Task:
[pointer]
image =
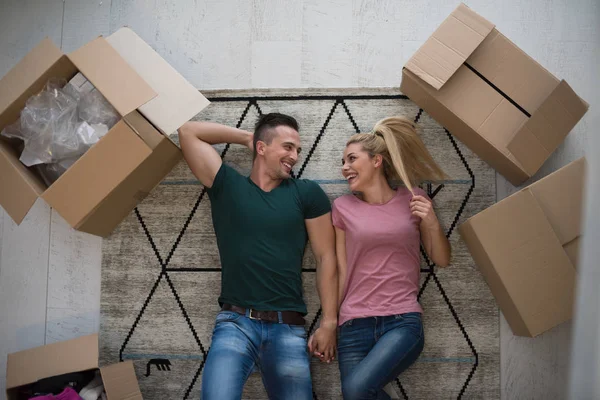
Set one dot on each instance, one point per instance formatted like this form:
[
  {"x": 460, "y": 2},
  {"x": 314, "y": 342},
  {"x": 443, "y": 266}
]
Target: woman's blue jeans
[{"x": 373, "y": 351}]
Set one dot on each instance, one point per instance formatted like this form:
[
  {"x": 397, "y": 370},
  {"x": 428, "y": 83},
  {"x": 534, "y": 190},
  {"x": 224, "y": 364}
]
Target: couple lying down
[{"x": 366, "y": 246}]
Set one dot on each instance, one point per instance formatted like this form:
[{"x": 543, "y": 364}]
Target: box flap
[
  {"x": 132, "y": 190},
  {"x": 560, "y": 195},
  {"x": 547, "y": 127},
  {"x": 572, "y": 251},
  {"x": 509, "y": 69},
  {"x": 529, "y": 260},
  {"x": 31, "y": 365},
  {"x": 492, "y": 278},
  {"x": 19, "y": 189},
  {"x": 145, "y": 130},
  {"x": 111, "y": 74},
  {"x": 449, "y": 46},
  {"x": 120, "y": 381},
  {"x": 26, "y": 72},
  {"x": 97, "y": 173},
  {"x": 177, "y": 101},
  {"x": 434, "y": 103}
]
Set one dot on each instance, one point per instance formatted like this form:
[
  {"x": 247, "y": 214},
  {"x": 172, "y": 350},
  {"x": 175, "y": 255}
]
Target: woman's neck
[{"x": 379, "y": 192}]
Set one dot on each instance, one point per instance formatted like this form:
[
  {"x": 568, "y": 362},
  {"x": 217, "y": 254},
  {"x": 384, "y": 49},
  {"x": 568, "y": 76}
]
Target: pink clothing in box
[{"x": 67, "y": 394}]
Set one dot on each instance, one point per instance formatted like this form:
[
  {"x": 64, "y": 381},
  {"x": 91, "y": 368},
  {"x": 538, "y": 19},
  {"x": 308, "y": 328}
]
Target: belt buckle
[{"x": 250, "y": 315}]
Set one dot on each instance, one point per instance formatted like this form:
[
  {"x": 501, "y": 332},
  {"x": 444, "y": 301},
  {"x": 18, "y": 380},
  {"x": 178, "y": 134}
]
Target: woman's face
[{"x": 358, "y": 167}]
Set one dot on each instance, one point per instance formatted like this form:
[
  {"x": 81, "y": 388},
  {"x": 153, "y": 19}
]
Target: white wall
[{"x": 50, "y": 274}]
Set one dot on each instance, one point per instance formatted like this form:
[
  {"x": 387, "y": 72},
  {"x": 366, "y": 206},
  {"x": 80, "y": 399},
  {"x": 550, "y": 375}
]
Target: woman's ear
[{"x": 378, "y": 160}]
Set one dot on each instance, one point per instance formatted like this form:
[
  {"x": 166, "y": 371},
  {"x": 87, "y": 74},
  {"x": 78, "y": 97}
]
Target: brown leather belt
[{"x": 287, "y": 317}]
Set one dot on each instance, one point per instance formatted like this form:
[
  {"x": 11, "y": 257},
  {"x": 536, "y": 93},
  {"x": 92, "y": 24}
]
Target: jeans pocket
[
  {"x": 411, "y": 316},
  {"x": 227, "y": 316},
  {"x": 297, "y": 330},
  {"x": 347, "y": 324},
  {"x": 412, "y": 321}
]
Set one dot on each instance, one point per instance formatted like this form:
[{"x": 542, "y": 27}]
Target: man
[{"x": 262, "y": 223}]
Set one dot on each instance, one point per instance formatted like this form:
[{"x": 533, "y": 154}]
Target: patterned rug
[{"x": 160, "y": 268}]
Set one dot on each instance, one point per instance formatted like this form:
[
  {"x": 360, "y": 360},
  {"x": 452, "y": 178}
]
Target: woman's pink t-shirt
[{"x": 382, "y": 255}]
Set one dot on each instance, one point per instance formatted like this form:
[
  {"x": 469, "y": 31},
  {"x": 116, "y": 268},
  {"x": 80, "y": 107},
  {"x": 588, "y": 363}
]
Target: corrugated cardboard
[
  {"x": 116, "y": 80},
  {"x": 81, "y": 354},
  {"x": 526, "y": 249},
  {"x": 449, "y": 46},
  {"x": 153, "y": 68},
  {"x": 491, "y": 95},
  {"x": 111, "y": 178}
]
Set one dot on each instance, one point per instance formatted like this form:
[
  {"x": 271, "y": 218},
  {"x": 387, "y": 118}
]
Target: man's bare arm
[
  {"x": 322, "y": 241},
  {"x": 196, "y": 139}
]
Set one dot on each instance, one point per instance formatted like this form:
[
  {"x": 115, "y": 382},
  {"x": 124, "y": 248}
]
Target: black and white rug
[{"x": 160, "y": 268}]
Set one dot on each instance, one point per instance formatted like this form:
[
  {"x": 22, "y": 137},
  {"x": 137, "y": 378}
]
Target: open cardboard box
[
  {"x": 115, "y": 174},
  {"x": 77, "y": 355},
  {"x": 526, "y": 248},
  {"x": 492, "y": 96}
]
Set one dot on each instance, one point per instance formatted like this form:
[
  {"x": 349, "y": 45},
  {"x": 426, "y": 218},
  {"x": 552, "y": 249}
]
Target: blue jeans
[
  {"x": 373, "y": 351},
  {"x": 240, "y": 344}
]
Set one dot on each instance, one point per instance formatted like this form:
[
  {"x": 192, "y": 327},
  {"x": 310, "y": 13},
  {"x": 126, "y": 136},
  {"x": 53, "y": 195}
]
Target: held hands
[
  {"x": 322, "y": 343},
  {"x": 421, "y": 207}
]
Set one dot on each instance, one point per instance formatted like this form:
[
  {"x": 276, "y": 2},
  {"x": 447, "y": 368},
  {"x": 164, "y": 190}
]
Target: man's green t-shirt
[{"x": 261, "y": 238}]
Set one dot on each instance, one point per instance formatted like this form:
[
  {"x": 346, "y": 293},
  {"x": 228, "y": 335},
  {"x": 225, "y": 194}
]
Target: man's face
[{"x": 281, "y": 154}]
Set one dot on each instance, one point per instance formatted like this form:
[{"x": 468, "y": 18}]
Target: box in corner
[
  {"x": 526, "y": 248},
  {"x": 26, "y": 367},
  {"x": 97, "y": 192},
  {"x": 492, "y": 96}
]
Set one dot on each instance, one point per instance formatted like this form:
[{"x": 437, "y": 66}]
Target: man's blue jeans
[
  {"x": 239, "y": 344},
  {"x": 373, "y": 351}
]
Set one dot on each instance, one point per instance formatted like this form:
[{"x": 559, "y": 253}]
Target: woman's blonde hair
[{"x": 404, "y": 154}]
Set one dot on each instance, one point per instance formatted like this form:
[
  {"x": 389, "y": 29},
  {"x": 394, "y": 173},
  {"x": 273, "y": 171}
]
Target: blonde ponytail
[{"x": 404, "y": 154}]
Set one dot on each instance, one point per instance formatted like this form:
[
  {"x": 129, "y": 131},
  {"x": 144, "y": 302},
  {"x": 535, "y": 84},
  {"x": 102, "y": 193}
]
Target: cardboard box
[
  {"x": 115, "y": 174},
  {"x": 526, "y": 248},
  {"x": 77, "y": 355},
  {"x": 492, "y": 96}
]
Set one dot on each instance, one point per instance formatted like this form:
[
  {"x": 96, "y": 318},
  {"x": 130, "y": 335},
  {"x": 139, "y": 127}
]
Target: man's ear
[{"x": 260, "y": 147}]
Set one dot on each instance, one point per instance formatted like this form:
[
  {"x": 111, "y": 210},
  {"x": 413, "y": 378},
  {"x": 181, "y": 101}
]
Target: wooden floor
[{"x": 50, "y": 274}]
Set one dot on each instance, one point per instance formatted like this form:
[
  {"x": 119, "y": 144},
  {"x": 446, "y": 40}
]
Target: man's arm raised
[{"x": 196, "y": 139}]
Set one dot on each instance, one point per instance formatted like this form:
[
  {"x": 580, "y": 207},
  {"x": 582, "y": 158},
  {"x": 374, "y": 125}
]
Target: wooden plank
[
  {"x": 83, "y": 22},
  {"x": 585, "y": 356},
  {"x": 208, "y": 42},
  {"x": 343, "y": 44},
  {"x": 25, "y": 23},
  {"x": 282, "y": 71},
  {"x": 327, "y": 46},
  {"x": 73, "y": 307},
  {"x": 551, "y": 33},
  {"x": 276, "y": 21},
  {"x": 386, "y": 33},
  {"x": 23, "y": 283},
  {"x": 533, "y": 368},
  {"x": 73, "y": 282},
  {"x": 2, "y": 316},
  {"x": 24, "y": 248}
]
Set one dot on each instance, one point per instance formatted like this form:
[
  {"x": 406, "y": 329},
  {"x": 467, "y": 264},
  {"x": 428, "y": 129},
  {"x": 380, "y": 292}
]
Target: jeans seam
[
  {"x": 421, "y": 330},
  {"x": 411, "y": 349},
  {"x": 291, "y": 329},
  {"x": 399, "y": 361},
  {"x": 235, "y": 317}
]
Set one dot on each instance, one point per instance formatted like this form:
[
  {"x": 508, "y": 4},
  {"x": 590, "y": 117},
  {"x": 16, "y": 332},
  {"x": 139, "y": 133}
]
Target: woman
[{"x": 378, "y": 234}]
